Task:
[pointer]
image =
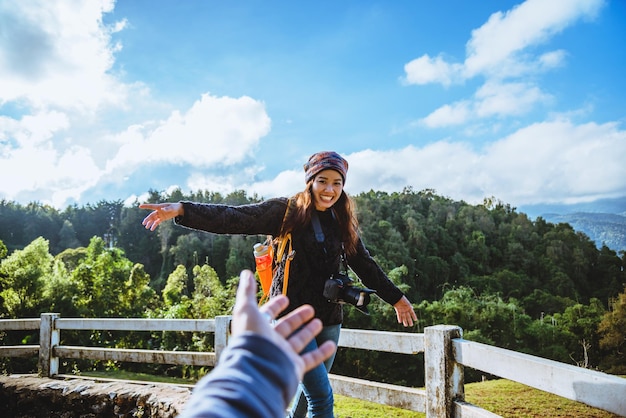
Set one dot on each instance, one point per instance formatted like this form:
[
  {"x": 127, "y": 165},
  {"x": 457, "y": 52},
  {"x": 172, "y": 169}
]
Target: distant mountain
[
  {"x": 603, "y": 221},
  {"x": 603, "y": 228},
  {"x": 615, "y": 206}
]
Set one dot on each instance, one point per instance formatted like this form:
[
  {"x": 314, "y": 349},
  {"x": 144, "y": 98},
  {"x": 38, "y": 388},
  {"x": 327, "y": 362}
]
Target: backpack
[{"x": 279, "y": 251}]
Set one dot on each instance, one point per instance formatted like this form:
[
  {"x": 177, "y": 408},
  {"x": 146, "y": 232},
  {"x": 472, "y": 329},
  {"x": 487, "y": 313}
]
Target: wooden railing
[{"x": 446, "y": 354}]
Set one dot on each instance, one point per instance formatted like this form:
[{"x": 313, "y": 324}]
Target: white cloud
[
  {"x": 449, "y": 114},
  {"x": 498, "y": 43},
  {"x": 29, "y": 158},
  {"x": 503, "y": 48},
  {"x": 58, "y": 53},
  {"x": 504, "y": 99},
  {"x": 491, "y": 99},
  {"x": 42, "y": 169},
  {"x": 286, "y": 183},
  {"x": 559, "y": 161},
  {"x": 551, "y": 59},
  {"x": 55, "y": 55},
  {"x": 215, "y": 131},
  {"x": 554, "y": 161},
  {"x": 425, "y": 70},
  {"x": 38, "y": 128}
]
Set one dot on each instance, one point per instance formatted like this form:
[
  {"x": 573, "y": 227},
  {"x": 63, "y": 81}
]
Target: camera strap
[
  {"x": 317, "y": 227},
  {"x": 319, "y": 237}
]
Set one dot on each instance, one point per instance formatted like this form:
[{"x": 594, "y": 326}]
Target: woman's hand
[
  {"x": 160, "y": 212},
  {"x": 405, "y": 313}
]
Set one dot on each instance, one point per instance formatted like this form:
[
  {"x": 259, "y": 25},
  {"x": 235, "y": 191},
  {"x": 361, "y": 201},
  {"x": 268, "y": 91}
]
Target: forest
[{"x": 530, "y": 286}]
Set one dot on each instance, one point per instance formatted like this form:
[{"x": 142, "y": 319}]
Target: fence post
[
  {"x": 222, "y": 331},
  {"x": 444, "y": 377},
  {"x": 49, "y": 338}
]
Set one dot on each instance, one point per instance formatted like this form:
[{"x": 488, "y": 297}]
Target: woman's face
[{"x": 326, "y": 189}]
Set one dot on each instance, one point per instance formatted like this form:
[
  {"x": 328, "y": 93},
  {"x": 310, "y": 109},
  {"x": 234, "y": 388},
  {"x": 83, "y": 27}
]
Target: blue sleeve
[{"x": 253, "y": 378}]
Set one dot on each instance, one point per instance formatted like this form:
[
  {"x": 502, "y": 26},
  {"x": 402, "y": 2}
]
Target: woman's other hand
[
  {"x": 405, "y": 312},
  {"x": 160, "y": 212}
]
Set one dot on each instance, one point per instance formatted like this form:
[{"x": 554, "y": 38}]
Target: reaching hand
[
  {"x": 248, "y": 317},
  {"x": 160, "y": 212},
  {"x": 405, "y": 312}
]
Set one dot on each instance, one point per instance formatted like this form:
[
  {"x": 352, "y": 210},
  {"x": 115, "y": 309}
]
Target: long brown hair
[{"x": 301, "y": 206}]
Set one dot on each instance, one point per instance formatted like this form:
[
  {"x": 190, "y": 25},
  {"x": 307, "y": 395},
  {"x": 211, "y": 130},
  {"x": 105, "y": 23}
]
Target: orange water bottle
[{"x": 263, "y": 259}]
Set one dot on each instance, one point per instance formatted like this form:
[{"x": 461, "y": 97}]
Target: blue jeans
[{"x": 314, "y": 392}]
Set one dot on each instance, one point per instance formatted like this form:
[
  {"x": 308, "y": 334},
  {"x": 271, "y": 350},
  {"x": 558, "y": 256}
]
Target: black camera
[{"x": 339, "y": 289}]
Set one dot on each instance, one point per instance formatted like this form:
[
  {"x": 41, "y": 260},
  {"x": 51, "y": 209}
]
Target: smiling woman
[{"x": 325, "y": 238}]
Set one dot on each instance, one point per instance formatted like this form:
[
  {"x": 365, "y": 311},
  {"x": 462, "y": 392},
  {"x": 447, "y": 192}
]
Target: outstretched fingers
[
  {"x": 303, "y": 335},
  {"x": 160, "y": 212},
  {"x": 313, "y": 358},
  {"x": 153, "y": 219},
  {"x": 274, "y": 307},
  {"x": 294, "y": 320},
  {"x": 299, "y": 339},
  {"x": 298, "y": 336}
]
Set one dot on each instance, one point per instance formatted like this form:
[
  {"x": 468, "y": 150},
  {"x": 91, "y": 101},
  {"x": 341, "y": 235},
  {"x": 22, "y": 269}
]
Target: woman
[{"x": 324, "y": 230}]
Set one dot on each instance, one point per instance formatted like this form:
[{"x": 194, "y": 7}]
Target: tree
[
  {"x": 579, "y": 324},
  {"x": 110, "y": 285},
  {"x": 140, "y": 245},
  {"x": 176, "y": 287},
  {"x": 612, "y": 331},
  {"x": 209, "y": 296},
  {"x": 67, "y": 236},
  {"x": 240, "y": 256},
  {"x": 136, "y": 295},
  {"x": 609, "y": 276},
  {"x": 544, "y": 338},
  {"x": 3, "y": 250},
  {"x": 23, "y": 274},
  {"x": 392, "y": 244}
]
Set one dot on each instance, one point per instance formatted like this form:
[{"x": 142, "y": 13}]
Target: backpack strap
[
  {"x": 285, "y": 245},
  {"x": 284, "y": 251},
  {"x": 290, "y": 203}
]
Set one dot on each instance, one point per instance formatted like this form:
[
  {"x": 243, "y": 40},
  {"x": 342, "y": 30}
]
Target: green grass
[
  {"x": 502, "y": 397},
  {"x": 354, "y": 408},
  {"x": 511, "y": 399}
]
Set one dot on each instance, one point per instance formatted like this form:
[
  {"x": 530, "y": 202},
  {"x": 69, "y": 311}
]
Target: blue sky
[{"x": 523, "y": 101}]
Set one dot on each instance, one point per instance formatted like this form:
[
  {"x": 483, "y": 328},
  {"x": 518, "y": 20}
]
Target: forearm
[
  {"x": 249, "y": 379},
  {"x": 259, "y": 218},
  {"x": 372, "y": 275}
]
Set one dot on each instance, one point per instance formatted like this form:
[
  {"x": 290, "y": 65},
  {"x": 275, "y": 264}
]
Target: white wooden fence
[{"x": 446, "y": 354}]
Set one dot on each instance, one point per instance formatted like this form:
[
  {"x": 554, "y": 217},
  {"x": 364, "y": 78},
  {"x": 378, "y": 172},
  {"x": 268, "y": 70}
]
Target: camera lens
[
  {"x": 339, "y": 289},
  {"x": 358, "y": 297}
]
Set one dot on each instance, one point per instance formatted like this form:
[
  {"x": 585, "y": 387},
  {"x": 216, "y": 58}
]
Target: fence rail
[{"x": 446, "y": 354}]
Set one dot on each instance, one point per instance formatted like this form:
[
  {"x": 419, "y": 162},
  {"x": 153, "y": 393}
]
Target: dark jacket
[{"x": 313, "y": 262}]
